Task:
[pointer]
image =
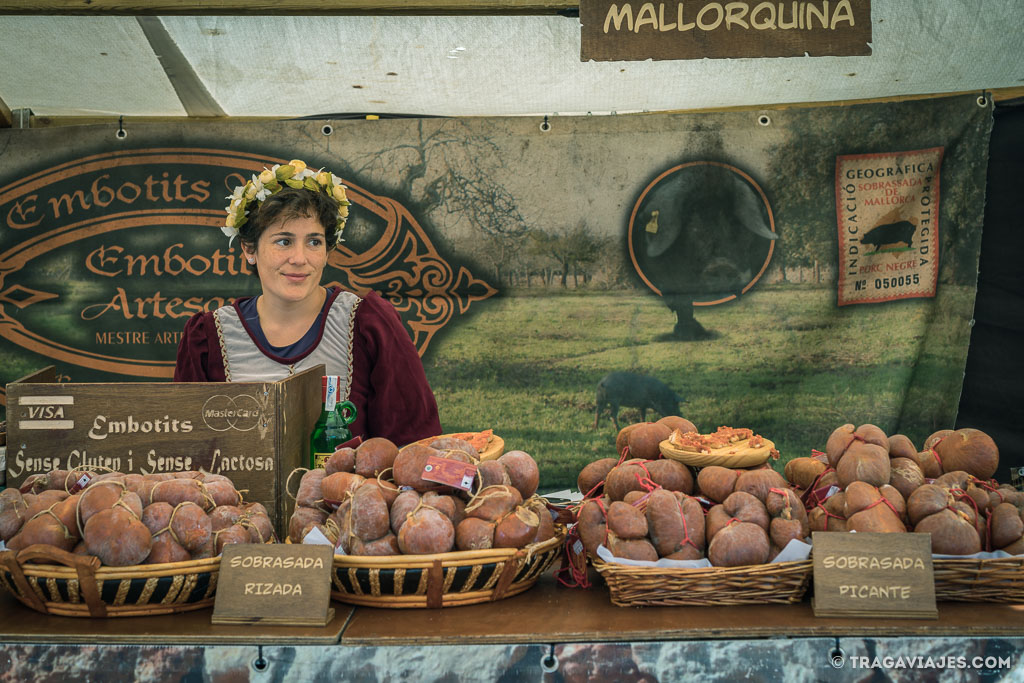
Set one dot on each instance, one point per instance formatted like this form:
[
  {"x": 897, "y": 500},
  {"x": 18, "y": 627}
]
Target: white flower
[
  {"x": 231, "y": 231},
  {"x": 254, "y": 187}
]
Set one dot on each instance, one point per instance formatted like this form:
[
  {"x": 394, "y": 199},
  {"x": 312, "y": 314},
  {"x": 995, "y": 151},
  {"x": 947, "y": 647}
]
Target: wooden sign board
[
  {"x": 873, "y": 575},
  {"x": 254, "y": 433},
  {"x": 276, "y": 583},
  {"x": 698, "y": 29}
]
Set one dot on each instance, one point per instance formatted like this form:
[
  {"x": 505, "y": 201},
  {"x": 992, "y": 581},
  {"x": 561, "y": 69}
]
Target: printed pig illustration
[
  {"x": 634, "y": 391},
  {"x": 889, "y": 233}
]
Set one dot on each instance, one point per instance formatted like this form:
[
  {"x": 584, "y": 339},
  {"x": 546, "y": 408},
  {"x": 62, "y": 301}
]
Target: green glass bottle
[{"x": 331, "y": 429}]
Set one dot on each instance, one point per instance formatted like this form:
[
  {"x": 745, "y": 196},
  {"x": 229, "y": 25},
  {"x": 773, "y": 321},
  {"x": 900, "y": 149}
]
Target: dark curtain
[{"x": 993, "y": 393}]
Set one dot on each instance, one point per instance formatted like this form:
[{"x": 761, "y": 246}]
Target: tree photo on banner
[{"x": 714, "y": 257}]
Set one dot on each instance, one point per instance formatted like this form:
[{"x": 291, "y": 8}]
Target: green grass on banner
[{"x": 785, "y": 362}]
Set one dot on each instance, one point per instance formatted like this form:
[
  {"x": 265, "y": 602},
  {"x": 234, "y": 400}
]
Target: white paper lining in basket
[
  {"x": 795, "y": 551},
  {"x": 994, "y": 555},
  {"x": 316, "y": 537}
]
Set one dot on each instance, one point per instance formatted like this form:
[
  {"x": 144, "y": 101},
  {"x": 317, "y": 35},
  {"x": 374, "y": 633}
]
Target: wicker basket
[
  {"x": 744, "y": 456},
  {"x": 979, "y": 580},
  {"x": 77, "y": 586},
  {"x": 782, "y": 582},
  {"x": 443, "y": 580}
]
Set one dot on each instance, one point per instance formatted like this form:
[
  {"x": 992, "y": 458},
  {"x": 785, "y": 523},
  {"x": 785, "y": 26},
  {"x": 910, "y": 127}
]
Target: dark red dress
[{"x": 388, "y": 386}]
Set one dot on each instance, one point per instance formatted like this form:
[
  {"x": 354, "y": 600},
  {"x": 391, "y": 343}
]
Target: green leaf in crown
[{"x": 294, "y": 174}]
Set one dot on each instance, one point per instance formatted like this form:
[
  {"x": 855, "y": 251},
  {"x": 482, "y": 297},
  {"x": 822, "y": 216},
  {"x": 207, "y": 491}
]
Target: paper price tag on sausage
[
  {"x": 452, "y": 473},
  {"x": 82, "y": 482}
]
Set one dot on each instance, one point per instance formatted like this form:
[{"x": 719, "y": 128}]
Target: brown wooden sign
[
  {"x": 876, "y": 575},
  {"x": 698, "y": 29},
  {"x": 254, "y": 433},
  {"x": 287, "y": 584}
]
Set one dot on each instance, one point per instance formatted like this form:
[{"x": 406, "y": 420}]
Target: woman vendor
[{"x": 288, "y": 219}]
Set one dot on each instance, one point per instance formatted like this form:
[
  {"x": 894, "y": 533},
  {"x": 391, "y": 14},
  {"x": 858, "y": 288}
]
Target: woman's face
[{"x": 290, "y": 257}]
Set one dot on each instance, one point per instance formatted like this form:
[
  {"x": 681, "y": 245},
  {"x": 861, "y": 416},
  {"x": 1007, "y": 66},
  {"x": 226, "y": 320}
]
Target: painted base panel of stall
[{"x": 772, "y": 659}]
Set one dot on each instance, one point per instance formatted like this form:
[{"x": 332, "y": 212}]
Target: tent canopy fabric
[{"x": 470, "y": 65}]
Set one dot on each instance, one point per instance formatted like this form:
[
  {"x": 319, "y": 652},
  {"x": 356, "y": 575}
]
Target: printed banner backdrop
[{"x": 784, "y": 270}]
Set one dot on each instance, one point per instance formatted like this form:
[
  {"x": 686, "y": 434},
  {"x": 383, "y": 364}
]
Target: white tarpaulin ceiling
[{"x": 291, "y": 66}]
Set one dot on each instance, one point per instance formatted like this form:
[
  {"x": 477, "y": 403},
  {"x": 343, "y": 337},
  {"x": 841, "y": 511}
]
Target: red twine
[
  {"x": 960, "y": 494},
  {"x": 647, "y": 482},
  {"x": 988, "y": 530},
  {"x": 883, "y": 499},
  {"x": 641, "y": 502},
  {"x": 809, "y": 499},
  {"x": 828, "y": 514},
  {"x": 686, "y": 530},
  {"x": 593, "y": 491},
  {"x": 931, "y": 449},
  {"x": 577, "y": 574},
  {"x": 600, "y": 505}
]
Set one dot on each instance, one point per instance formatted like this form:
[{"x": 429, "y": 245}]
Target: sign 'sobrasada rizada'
[{"x": 697, "y": 29}]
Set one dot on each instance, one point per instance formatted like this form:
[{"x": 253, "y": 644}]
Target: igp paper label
[{"x": 887, "y": 207}]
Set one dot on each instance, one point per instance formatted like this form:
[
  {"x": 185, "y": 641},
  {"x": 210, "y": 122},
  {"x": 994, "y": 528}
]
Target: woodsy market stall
[{"x": 700, "y": 288}]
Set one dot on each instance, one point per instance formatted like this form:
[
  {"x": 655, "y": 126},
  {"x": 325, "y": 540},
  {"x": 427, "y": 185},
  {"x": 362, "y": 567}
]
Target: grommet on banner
[
  {"x": 121, "y": 132},
  {"x": 549, "y": 662},
  {"x": 545, "y": 126},
  {"x": 260, "y": 664},
  {"x": 983, "y": 99},
  {"x": 837, "y": 656},
  {"x": 764, "y": 120},
  {"x": 327, "y": 129}
]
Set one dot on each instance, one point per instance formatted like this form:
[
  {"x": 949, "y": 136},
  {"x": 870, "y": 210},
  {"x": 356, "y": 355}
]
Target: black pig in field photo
[
  {"x": 889, "y": 233},
  {"x": 632, "y": 390}
]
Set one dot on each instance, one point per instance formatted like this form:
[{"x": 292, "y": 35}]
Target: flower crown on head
[{"x": 270, "y": 181}]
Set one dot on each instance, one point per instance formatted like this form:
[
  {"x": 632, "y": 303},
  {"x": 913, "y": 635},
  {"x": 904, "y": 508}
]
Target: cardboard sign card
[
  {"x": 452, "y": 473},
  {"x": 872, "y": 574},
  {"x": 287, "y": 584}
]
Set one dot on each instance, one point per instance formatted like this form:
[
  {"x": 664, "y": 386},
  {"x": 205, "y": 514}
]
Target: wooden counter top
[
  {"x": 550, "y": 613},
  {"x": 19, "y": 624},
  {"x": 547, "y": 613}
]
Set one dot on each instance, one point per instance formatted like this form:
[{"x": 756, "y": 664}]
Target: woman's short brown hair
[{"x": 291, "y": 203}]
